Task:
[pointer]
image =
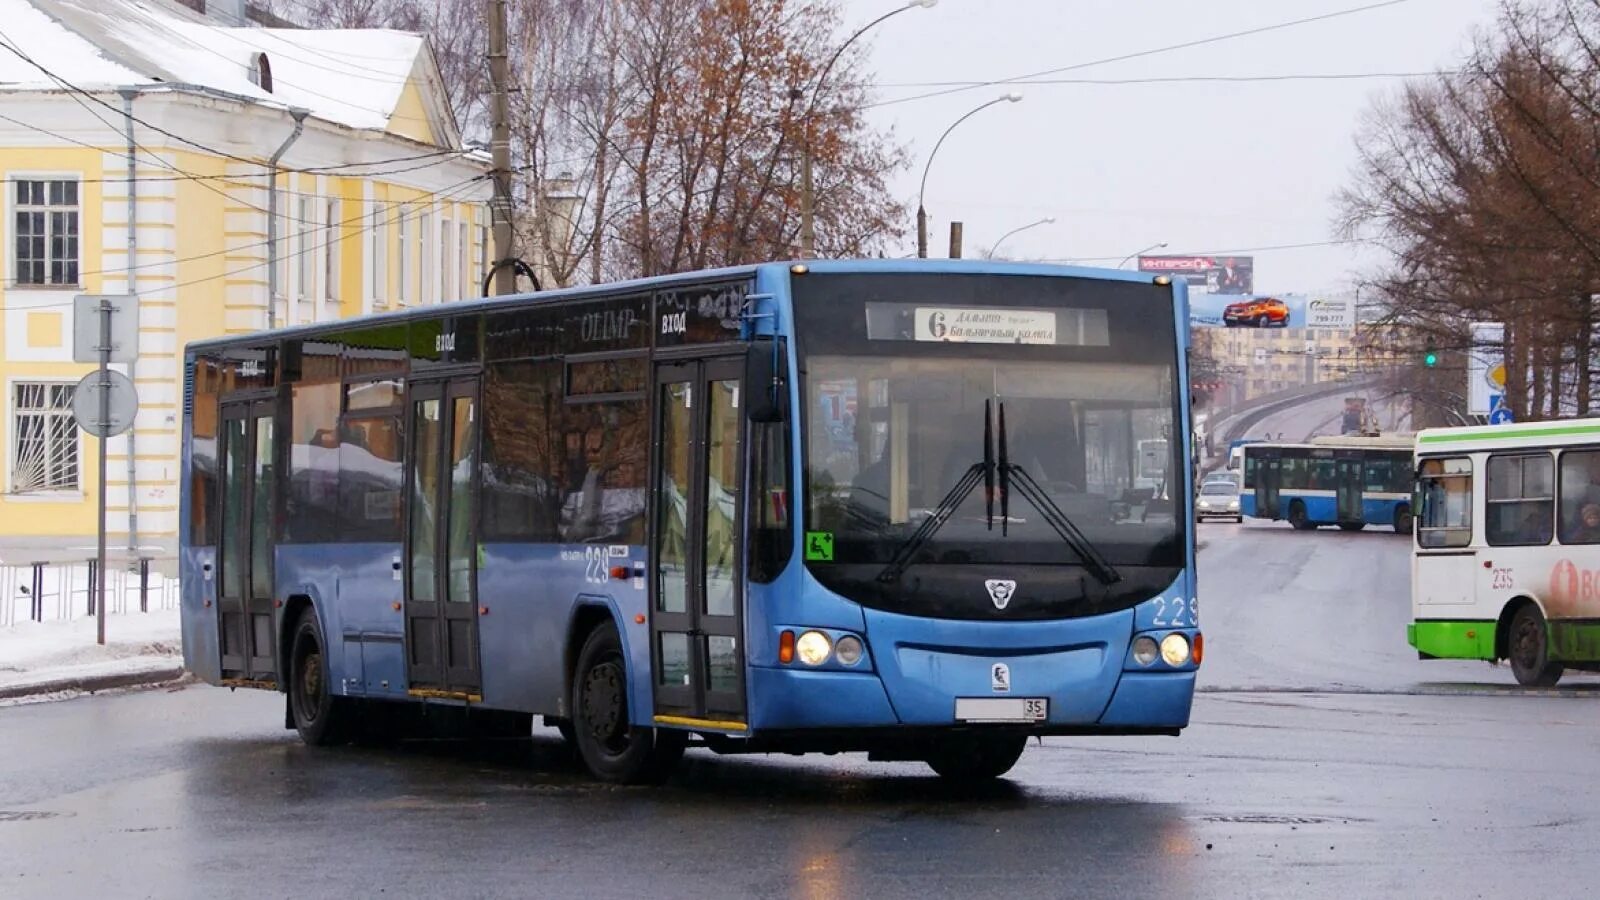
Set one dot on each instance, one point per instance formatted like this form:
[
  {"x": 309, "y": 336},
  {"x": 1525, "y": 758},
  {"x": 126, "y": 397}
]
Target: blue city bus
[
  {"x": 821, "y": 507},
  {"x": 1350, "y": 481}
]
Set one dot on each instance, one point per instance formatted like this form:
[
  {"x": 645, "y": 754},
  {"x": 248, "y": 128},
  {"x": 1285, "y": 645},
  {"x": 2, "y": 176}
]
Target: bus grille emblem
[{"x": 1000, "y": 591}]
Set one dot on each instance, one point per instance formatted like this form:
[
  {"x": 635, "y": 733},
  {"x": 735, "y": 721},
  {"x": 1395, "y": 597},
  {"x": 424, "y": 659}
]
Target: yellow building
[
  {"x": 137, "y": 140},
  {"x": 1261, "y": 361}
]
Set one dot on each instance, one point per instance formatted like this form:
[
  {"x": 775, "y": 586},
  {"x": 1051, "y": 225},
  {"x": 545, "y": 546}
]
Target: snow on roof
[{"x": 352, "y": 76}]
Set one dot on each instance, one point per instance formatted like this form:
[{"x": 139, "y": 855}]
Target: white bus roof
[{"x": 1560, "y": 433}]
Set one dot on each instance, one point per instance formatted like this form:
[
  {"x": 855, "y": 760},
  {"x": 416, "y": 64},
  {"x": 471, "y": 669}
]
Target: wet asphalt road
[{"x": 1321, "y": 762}]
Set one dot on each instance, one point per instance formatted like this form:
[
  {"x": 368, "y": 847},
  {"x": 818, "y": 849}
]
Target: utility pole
[
  {"x": 103, "y": 412},
  {"x": 955, "y": 240},
  {"x": 505, "y": 275}
]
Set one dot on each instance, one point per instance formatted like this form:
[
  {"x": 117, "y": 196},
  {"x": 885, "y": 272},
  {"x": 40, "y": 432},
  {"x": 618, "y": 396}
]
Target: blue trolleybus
[
  {"x": 1351, "y": 482},
  {"x": 832, "y": 507}
]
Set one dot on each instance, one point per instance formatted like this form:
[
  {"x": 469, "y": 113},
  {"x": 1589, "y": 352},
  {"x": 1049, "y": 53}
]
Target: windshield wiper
[
  {"x": 979, "y": 471},
  {"x": 1030, "y": 490}
]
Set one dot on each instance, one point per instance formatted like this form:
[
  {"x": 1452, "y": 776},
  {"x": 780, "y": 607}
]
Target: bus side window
[{"x": 1579, "y": 490}]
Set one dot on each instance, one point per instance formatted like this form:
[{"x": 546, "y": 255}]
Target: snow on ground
[{"x": 54, "y": 651}]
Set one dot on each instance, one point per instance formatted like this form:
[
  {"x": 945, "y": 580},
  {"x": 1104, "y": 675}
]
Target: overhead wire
[{"x": 1138, "y": 54}]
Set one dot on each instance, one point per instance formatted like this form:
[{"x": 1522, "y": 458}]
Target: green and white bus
[{"x": 1507, "y": 558}]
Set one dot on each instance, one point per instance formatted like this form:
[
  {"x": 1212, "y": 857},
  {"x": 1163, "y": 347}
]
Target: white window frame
[
  {"x": 12, "y": 207},
  {"x": 378, "y": 256},
  {"x": 469, "y": 287},
  {"x": 429, "y": 262},
  {"x": 12, "y": 428},
  {"x": 447, "y": 260}
]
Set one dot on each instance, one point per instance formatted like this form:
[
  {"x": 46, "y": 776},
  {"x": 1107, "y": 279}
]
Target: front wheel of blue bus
[
  {"x": 611, "y": 748},
  {"x": 320, "y": 717},
  {"x": 976, "y": 757}
]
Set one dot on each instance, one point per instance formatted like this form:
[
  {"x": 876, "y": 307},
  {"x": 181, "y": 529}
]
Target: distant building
[
  {"x": 1261, "y": 361},
  {"x": 379, "y": 206}
]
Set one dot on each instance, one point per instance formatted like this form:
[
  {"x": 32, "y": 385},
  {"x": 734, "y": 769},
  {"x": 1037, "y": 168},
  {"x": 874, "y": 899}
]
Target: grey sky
[{"x": 1203, "y": 165}]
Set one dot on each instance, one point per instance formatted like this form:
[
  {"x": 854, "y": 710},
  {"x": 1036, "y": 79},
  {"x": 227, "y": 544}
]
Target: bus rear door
[
  {"x": 696, "y": 586},
  {"x": 249, "y": 497},
  {"x": 1269, "y": 479}
]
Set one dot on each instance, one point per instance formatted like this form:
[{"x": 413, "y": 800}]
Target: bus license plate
[{"x": 1002, "y": 709}]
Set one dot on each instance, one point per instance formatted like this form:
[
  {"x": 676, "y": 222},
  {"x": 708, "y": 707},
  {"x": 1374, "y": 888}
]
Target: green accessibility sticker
[{"x": 819, "y": 546}]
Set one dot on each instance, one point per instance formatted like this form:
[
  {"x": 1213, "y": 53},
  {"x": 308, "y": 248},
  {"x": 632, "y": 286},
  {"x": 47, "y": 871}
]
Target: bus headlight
[
  {"x": 813, "y": 648},
  {"x": 1144, "y": 650},
  {"x": 848, "y": 651},
  {"x": 1174, "y": 649}
]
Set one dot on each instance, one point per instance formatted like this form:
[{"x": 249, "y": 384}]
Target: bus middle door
[
  {"x": 696, "y": 586},
  {"x": 1348, "y": 485},
  {"x": 1269, "y": 480},
  {"x": 441, "y": 583},
  {"x": 249, "y": 501}
]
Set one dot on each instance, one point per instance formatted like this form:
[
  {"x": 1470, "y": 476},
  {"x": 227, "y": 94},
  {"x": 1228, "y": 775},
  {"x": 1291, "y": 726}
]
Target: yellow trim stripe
[
  {"x": 432, "y": 694},
  {"x": 260, "y": 684},
  {"x": 701, "y": 723}
]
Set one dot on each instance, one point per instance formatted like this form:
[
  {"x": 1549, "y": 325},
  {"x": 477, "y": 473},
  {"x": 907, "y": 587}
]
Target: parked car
[
  {"x": 1258, "y": 312},
  {"x": 1218, "y": 500}
]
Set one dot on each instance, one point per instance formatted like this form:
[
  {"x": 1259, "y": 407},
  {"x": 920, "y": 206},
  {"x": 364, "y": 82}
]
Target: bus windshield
[{"x": 895, "y": 416}]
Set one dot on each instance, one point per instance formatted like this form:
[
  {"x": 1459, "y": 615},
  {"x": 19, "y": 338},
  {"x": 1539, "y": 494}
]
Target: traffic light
[{"x": 1430, "y": 357}]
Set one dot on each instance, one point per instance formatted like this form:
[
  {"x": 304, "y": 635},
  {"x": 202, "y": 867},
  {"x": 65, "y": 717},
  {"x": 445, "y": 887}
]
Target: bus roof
[
  {"x": 1498, "y": 437},
  {"x": 1346, "y": 442},
  {"x": 830, "y": 266}
]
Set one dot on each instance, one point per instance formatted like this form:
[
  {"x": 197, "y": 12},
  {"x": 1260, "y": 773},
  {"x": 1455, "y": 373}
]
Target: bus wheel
[
  {"x": 612, "y": 749},
  {"x": 1402, "y": 520},
  {"x": 1528, "y": 646},
  {"x": 976, "y": 757},
  {"x": 1297, "y": 517},
  {"x": 1352, "y": 526},
  {"x": 318, "y": 715}
]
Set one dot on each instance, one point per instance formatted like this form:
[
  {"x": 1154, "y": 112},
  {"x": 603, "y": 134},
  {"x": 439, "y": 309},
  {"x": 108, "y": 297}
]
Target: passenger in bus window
[{"x": 1588, "y": 531}]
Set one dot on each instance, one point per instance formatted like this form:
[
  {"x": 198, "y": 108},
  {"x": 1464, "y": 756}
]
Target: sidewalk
[{"x": 56, "y": 659}]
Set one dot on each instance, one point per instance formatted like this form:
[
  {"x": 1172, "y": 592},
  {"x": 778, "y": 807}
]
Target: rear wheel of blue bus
[
  {"x": 976, "y": 757},
  {"x": 611, "y": 748},
  {"x": 318, "y": 716}
]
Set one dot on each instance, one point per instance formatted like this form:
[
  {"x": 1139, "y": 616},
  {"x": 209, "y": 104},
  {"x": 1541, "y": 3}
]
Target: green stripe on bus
[
  {"x": 1575, "y": 641},
  {"x": 1453, "y": 640},
  {"x": 1499, "y": 434}
]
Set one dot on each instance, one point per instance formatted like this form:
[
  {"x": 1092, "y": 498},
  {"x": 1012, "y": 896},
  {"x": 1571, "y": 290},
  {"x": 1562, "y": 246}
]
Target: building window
[
  {"x": 463, "y": 247},
  {"x": 47, "y": 232},
  {"x": 378, "y": 258},
  {"x": 332, "y": 247},
  {"x": 430, "y": 285},
  {"x": 407, "y": 279},
  {"x": 483, "y": 251},
  {"x": 452, "y": 275},
  {"x": 304, "y": 251},
  {"x": 44, "y": 449}
]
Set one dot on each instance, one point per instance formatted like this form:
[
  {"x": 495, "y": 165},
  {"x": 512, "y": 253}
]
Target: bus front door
[
  {"x": 441, "y": 584},
  {"x": 249, "y": 495},
  {"x": 696, "y": 587},
  {"x": 1348, "y": 481},
  {"x": 1269, "y": 479}
]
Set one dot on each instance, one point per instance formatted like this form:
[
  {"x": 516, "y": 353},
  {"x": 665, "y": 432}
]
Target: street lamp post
[
  {"x": 808, "y": 197},
  {"x": 1160, "y": 246},
  {"x": 1047, "y": 220},
  {"x": 922, "y": 213}
]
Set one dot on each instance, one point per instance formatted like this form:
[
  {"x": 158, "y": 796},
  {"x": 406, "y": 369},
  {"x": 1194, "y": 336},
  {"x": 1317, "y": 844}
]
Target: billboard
[
  {"x": 1206, "y": 274},
  {"x": 1252, "y": 311}
]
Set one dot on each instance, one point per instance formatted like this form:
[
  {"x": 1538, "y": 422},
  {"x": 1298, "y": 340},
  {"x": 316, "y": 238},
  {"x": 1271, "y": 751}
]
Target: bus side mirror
[{"x": 765, "y": 386}]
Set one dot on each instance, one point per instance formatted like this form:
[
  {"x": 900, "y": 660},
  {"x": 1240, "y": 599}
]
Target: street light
[
  {"x": 922, "y": 214},
  {"x": 1160, "y": 246},
  {"x": 1047, "y": 220},
  {"x": 808, "y": 227}
]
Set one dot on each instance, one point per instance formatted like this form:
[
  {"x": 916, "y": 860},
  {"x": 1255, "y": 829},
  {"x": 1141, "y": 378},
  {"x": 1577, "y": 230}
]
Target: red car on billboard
[{"x": 1259, "y": 312}]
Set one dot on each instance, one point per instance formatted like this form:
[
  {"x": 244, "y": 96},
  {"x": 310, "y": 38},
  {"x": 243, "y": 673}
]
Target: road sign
[
  {"x": 123, "y": 403},
  {"x": 1499, "y": 412},
  {"x": 86, "y": 327},
  {"x": 1486, "y": 367}
]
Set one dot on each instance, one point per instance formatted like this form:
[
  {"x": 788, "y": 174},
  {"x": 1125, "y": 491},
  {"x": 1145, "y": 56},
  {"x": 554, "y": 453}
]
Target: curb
[{"x": 90, "y": 684}]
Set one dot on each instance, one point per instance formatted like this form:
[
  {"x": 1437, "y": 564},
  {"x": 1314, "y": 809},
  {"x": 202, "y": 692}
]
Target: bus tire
[
  {"x": 976, "y": 757},
  {"x": 1403, "y": 522},
  {"x": 319, "y": 717},
  {"x": 1528, "y": 647},
  {"x": 612, "y": 749},
  {"x": 1297, "y": 517}
]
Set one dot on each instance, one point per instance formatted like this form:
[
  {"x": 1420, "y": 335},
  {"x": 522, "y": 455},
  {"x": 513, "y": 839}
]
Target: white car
[{"x": 1218, "y": 500}]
